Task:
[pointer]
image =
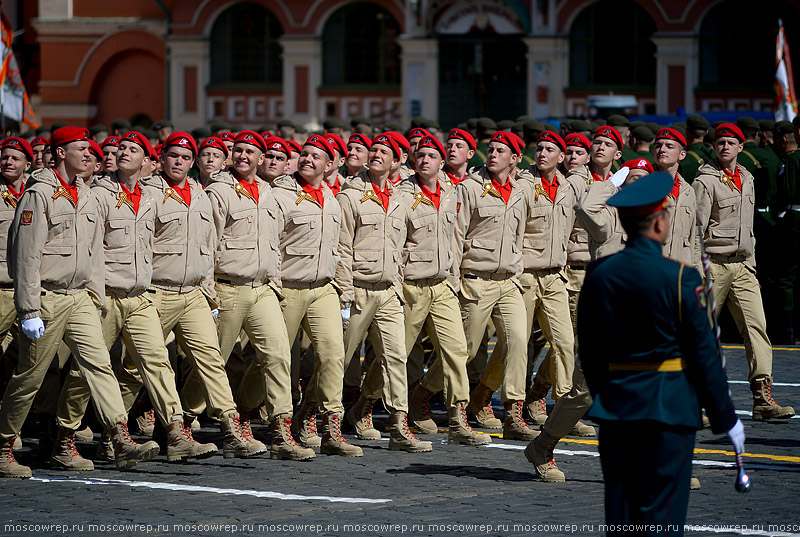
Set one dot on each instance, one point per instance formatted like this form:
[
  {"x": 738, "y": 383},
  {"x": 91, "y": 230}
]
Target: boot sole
[
  {"x": 182, "y": 457},
  {"x": 27, "y": 475},
  {"x": 758, "y": 416},
  {"x": 144, "y": 456},
  {"x": 234, "y": 455},
  {"x": 424, "y": 429},
  {"x": 60, "y": 466},
  {"x": 587, "y": 433},
  {"x": 460, "y": 441},
  {"x": 282, "y": 457},
  {"x": 362, "y": 436},
  {"x": 517, "y": 436},
  {"x": 409, "y": 449},
  {"x": 341, "y": 454}
]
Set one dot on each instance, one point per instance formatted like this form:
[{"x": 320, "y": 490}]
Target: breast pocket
[
  {"x": 61, "y": 230},
  {"x": 170, "y": 228},
  {"x": 240, "y": 223},
  {"x": 118, "y": 233}
]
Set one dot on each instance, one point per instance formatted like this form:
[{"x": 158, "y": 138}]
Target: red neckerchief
[
  {"x": 135, "y": 196},
  {"x": 550, "y": 188},
  {"x": 383, "y": 195},
  {"x": 14, "y": 193},
  {"x": 504, "y": 190},
  {"x": 676, "y": 188},
  {"x": 433, "y": 196},
  {"x": 316, "y": 193},
  {"x": 453, "y": 179},
  {"x": 737, "y": 179},
  {"x": 336, "y": 187},
  {"x": 72, "y": 190},
  {"x": 396, "y": 180},
  {"x": 596, "y": 177},
  {"x": 251, "y": 187},
  {"x": 185, "y": 193}
]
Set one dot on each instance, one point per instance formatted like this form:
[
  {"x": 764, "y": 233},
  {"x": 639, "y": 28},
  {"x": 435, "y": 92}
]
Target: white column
[
  {"x": 675, "y": 50},
  {"x": 301, "y": 52},
  {"x": 420, "y": 80},
  {"x": 548, "y": 71},
  {"x": 182, "y": 53}
]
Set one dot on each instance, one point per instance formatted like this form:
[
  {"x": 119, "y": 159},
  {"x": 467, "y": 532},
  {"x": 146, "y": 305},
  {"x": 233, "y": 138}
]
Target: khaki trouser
[
  {"x": 570, "y": 407},
  {"x": 317, "y": 310},
  {"x": 380, "y": 314},
  {"x": 135, "y": 319},
  {"x": 502, "y": 302},
  {"x": 74, "y": 319},
  {"x": 436, "y": 309},
  {"x": 546, "y": 298},
  {"x": 736, "y": 286}
]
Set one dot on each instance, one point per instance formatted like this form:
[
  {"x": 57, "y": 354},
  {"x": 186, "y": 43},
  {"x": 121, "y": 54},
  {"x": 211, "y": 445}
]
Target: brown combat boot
[
  {"x": 247, "y": 432},
  {"x": 402, "y": 439},
  {"x": 419, "y": 410},
  {"x": 65, "y": 456},
  {"x": 9, "y": 467},
  {"x": 514, "y": 427},
  {"x": 304, "y": 425},
  {"x": 360, "y": 418},
  {"x": 234, "y": 442},
  {"x": 105, "y": 448},
  {"x": 145, "y": 423},
  {"x": 480, "y": 406},
  {"x": 333, "y": 443},
  {"x": 284, "y": 446},
  {"x": 182, "y": 446},
  {"x": 540, "y": 454},
  {"x": 535, "y": 402},
  {"x": 460, "y": 431},
  {"x": 84, "y": 435},
  {"x": 128, "y": 453},
  {"x": 582, "y": 429},
  {"x": 764, "y": 405}
]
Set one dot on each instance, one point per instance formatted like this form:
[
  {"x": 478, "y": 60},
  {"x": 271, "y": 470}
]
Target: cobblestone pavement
[{"x": 453, "y": 490}]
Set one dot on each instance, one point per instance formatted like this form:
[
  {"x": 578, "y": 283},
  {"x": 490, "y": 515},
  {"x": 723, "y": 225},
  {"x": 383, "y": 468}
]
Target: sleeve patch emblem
[
  {"x": 27, "y": 218},
  {"x": 702, "y": 297}
]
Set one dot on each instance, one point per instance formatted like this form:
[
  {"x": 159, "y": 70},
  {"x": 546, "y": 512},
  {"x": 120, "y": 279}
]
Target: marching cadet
[
  {"x": 430, "y": 300},
  {"x": 696, "y": 152},
  {"x": 725, "y": 203},
  {"x": 334, "y": 179},
  {"x": 641, "y": 140},
  {"x": 460, "y": 149},
  {"x": 183, "y": 292},
  {"x": 485, "y": 128},
  {"x": 370, "y": 244},
  {"x": 109, "y": 147},
  {"x": 357, "y": 154},
  {"x": 414, "y": 136},
  {"x": 227, "y": 138},
  {"x": 294, "y": 158},
  {"x": 53, "y": 242},
  {"x": 275, "y": 159},
  {"x": 399, "y": 169},
  {"x": 309, "y": 219},
  {"x": 164, "y": 129},
  {"x": 578, "y": 147},
  {"x": 623, "y": 126},
  {"x": 248, "y": 296},
  {"x": 126, "y": 214},
  {"x": 212, "y": 156},
  {"x": 41, "y": 150}
]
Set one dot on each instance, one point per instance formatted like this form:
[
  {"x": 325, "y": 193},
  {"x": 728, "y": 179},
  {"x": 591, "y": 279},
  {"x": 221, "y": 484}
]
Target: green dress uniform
[
  {"x": 479, "y": 158},
  {"x": 787, "y": 213},
  {"x": 696, "y": 156},
  {"x": 651, "y": 362}
]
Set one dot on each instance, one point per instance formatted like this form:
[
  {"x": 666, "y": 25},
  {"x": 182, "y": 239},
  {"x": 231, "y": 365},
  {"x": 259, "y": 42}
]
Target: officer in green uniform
[
  {"x": 641, "y": 139},
  {"x": 654, "y": 371},
  {"x": 486, "y": 127},
  {"x": 696, "y": 152},
  {"x": 787, "y": 211},
  {"x": 531, "y": 129}
]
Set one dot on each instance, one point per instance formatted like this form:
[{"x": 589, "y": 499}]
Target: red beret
[
  {"x": 337, "y": 143},
  {"x": 40, "y": 140},
  {"x": 139, "y": 139},
  {"x": 96, "y": 150},
  {"x": 111, "y": 140},
  {"x": 252, "y": 138},
  {"x": 20, "y": 145},
  {"x": 65, "y": 135},
  {"x": 671, "y": 134},
  {"x": 358, "y": 138},
  {"x": 505, "y": 138},
  {"x": 730, "y": 130},
  {"x": 265, "y": 134},
  {"x": 227, "y": 135},
  {"x": 278, "y": 144},
  {"x": 579, "y": 140},
  {"x": 609, "y": 132},
  {"x": 461, "y": 134},
  {"x": 401, "y": 140},
  {"x": 520, "y": 143},
  {"x": 216, "y": 143},
  {"x": 182, "y": 139},
  {"x": 158, "y": 148},
  {"x": 432, "y": 142},
  {"x": 639, "y": 164},
  {"x": 389, "y": 141},
  {"x": 294, "y": 146},
  {"x": 550, "y": 136},
  {"x": 418, "y": 132},
  {"x": 320, "y": 142}
]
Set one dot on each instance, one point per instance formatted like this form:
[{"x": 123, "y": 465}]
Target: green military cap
[
  {"x": 747, "y": 123},
  {"x": 149, "y": 133},
  {"x": 532, "y": 128},
  {"x": 766, "y": 125},
  {"x": 717, "y": 123},
  {"x": 40, "y": 129},
  {"x": 523, "y": 119},
  {"x": 201, "y": 132},
  {"x": 162, "y": 124},
  {"x": 235, "y": 127},
  {"x": 299, "y": 129},
  {"x": 579, "y": 125},
  {"x": 597, "y": 123},
  {"x": 429, "y": 124},
  {"x": 393, "y": 126},
  {"x": 505, "y": 124},
  {"x": 784, "y": 127},
  {"x": 286, "y": 123},
  {"x": 94, "y": 129},
  {"x": 550, "y": 127},
  {"x": 635, "y": 124},
  {"x": 120, "y": 123},
  {"x": 462, "y": 126},
  {"x": 653, "y": 126},
  {"x": 566, "y": 124},
  {"x": 617, "y": 120},
  {"x": 417, "y": 121},
  {"x": 644, "y": 133},
  {"x": 679, "y": 125},
  {"x": 472, "y": 123},
  {"x": 360, "y": 120},
  {"x": 487, "y": 124},
  {"x": 58, "y": 124},
  {"x": 220, "y": 126},
  {"x": 330, "y": 123},
  {"x": 697, "y": 123},
  {"x": 796, "y": 121}
]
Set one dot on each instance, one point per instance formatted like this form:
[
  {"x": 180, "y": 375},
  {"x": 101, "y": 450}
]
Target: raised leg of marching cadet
[
  {"x": 316, "y": 309},
  {"x": 75, "y": 319},
  {"x": 379, "y": 313},
  {"x": 736, "y": 286}
]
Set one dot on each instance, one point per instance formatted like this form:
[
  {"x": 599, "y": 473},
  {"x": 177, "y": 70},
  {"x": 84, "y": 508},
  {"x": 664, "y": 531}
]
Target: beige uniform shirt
[
  {"x": 308, "y": 233},
  {"x": 683, "y": 243},
  {"x": 725, "y": 213},
  {"x": 8, "y": 206},
  {"x": 246, "y": 231},
  {"x": 371, "y": 238},
  {"x": 606, "y": 235},
  {"x": 127, "y": 238},
  {"x": 52, "y": 242},
  {"x": 488, "y": 236},
  {"x": 549, "y": 223},
  {"x": 183, "y": 240},
  {"x": 578, "y": 246},
  {"x": 429, "y": 238}
]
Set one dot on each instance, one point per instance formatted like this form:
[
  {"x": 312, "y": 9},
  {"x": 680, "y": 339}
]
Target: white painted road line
[
  {"x": 793, "y": 384},
  {"x": 212, "y": 490}
]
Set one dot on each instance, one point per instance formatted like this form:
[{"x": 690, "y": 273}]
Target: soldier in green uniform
[
  {"x": 531, "y": 130},
  {"x": 697, "y": 153},
  {"x": 485, "y": 128},
  {"x": 641, "y": 140},
  {"x": 787, "y": 211}
]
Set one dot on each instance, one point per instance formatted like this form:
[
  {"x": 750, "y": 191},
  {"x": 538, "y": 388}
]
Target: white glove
[
  {"x": 345, "y": 314},
  {"x": 215, "y": 313},
  {"x": 736, "y": 436},
  {"x": 619, "y": 177},
  {"x": 33, "y": 328}
]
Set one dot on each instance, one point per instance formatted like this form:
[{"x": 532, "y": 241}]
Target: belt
[
  {"x": 425, "y": 282},
  {"x": 175, "y": 288},
  {"x": 119, "y": 293},
  {"x": 7, "y": 286},
  {"x": 377, "y": 286},
  {"x": 545, "y": 271},
  {"x": 475, "y": 275},
  {"x": 60, "y": 290},
  {"x": 239, "y": 283},
  {"x": 728, "y": 258},
  {"x": 672, "y": 364},
  {"x": 304, "y": 285},
  {"x": 577, "y": 267}
]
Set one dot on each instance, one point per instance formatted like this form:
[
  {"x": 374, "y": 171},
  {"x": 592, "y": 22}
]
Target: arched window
[
  {"x": 737, "y": 44},
  {"x": 610, "y": 48},
  {"x": 244, "y": 47},
  {"x": 359, "y": 46}
]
